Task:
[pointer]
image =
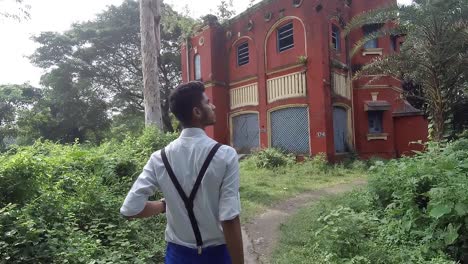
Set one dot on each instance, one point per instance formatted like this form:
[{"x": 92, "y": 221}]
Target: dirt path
[{"x": 261, "y": 233}]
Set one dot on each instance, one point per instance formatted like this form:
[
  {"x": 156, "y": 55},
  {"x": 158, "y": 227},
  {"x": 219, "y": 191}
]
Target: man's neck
[{"x": 194, "y": 126}]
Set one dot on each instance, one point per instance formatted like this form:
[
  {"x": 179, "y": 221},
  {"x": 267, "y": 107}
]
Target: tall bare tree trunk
[{"x": 150, "y": 16}]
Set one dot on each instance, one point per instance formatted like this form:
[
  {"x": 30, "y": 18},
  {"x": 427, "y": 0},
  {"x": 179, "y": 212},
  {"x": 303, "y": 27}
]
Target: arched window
[{"x": 197, "y": 64}]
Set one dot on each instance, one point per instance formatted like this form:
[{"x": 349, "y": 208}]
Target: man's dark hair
[{"x": 184, "y": 98}]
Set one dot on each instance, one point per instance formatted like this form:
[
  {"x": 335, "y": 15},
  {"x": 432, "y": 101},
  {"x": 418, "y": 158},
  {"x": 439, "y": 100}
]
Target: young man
[{"x": 200, "y": 182}]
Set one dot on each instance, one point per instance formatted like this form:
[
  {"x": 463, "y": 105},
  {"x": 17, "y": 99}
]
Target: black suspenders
[{"x": 188, "y": 201}]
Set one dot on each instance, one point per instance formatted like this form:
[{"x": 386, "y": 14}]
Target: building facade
[{"x": 280, "y": 75}]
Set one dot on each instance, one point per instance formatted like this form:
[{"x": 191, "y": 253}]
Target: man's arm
[
  {"x": 152, "y": 208},
  {"x": 136, "y": 204},
  {"x": 233, "y": 237},
  {"x": 229, "y": 207}
]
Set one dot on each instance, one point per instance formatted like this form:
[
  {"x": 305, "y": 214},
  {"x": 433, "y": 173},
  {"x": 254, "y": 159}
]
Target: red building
[{"x": 280, "y": 76}]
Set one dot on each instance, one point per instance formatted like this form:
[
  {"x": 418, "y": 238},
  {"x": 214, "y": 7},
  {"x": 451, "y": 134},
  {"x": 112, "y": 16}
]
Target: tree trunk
[{"x": 150, "y": 16}]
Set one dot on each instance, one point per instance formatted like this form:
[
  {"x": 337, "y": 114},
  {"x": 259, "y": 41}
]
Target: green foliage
[
  {"x": 13, "y": 99},
  {"x": 413, "y": 211},
  {"x": 104, "y": 56},
  {"x": 271, "y": 158},
  {"x": 21, "y": 10},
  {"x": 60, "y": 204}
]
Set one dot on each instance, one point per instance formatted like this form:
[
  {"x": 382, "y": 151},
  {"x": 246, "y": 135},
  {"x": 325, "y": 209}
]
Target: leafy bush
[
  {"x": 60, "y": 204},
  {"x": 414, "y": 210},
  {"x": 271, "y": 158}
]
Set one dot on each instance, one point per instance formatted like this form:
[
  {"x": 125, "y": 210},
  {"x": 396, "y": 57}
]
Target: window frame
[
  {"x": 242, "y": 56},
  {"x": 335, "y": 37},
  {"x": 376, "y": 117},
  {"x": 370, "y": 29},
  {"x": 280, "y": 38}
]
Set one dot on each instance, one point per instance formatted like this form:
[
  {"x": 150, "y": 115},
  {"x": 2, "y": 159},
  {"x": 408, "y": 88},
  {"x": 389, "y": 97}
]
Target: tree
[
  {"x": 68, "y": 110},
  {"x": 433, "y": 55},
  {"x": 21, "y": 10},
  {"x": 150, "y": 17},
  {"x": 225, "y": 10},
  {"x": 13, "y": 99},
  {"x": 106, "y": 52}
]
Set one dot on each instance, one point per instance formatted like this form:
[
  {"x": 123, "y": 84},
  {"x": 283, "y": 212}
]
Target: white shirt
[{"x": 217, "y": 198}]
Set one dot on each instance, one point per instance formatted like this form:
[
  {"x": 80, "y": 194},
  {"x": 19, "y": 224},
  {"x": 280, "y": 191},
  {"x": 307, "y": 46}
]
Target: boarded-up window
[
  {"x": 245, "y": 132},
  {"x": 290, "y": 130}
]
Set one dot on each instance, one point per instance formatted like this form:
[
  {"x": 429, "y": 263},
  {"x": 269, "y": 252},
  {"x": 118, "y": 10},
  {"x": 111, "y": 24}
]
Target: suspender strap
[{"x": 188, "y": 201}]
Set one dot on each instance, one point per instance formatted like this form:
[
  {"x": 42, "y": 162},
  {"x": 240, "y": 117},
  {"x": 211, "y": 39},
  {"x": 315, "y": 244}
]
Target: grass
[
  {"x": 298, "y": 234},
  {"x": 262, "y": 188}
]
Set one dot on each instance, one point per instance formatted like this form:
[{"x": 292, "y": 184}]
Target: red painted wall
[
  {"x": 276, "y": 59},
  {"x": 410, "y": 129},
  {"x": 312, "y": 23},
  {"x": 368, "y": 148}
]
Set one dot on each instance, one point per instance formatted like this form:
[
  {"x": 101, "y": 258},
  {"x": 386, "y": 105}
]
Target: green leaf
[
  {"x": 440, "y": 210},
  {"x": 451, "y": 235},
  {"x": 461, "y": 209}
]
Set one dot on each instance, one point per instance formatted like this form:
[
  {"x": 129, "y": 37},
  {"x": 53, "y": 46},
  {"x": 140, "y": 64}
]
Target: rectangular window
[
  {"x": 375, "y": 122},
  {"x": 285, "y": 37},
  {"x": 368, "y": 30},
  {"x": 197, "y": 67},
  {"x": 335, "y": 38},
  {"x": 243, "y": 54},
  {"x": 394, "y": 43}
]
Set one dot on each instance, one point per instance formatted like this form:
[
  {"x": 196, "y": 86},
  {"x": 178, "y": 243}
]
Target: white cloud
[{"x": 58, "y": 15}]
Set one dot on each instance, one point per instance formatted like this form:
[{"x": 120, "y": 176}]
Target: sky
[{"x": 58, "y": 15}]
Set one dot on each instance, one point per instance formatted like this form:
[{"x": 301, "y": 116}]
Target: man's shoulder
[{"x": 229, "y": 152}]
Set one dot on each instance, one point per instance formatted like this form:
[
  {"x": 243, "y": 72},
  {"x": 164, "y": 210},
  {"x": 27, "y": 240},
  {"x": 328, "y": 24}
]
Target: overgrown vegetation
[
  {"x": 414, "y": 210},
  {"x": 270, "y": 176},
  {"x": 60, "y": 204}
]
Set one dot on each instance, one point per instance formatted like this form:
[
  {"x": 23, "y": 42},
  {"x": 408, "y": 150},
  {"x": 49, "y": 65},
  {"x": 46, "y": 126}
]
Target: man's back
[{"x": 217, "y": 198}]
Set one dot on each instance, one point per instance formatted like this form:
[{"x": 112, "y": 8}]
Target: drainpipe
[
  {"x": 187, "y": 55},
  {"x": 351, "y": 90}
]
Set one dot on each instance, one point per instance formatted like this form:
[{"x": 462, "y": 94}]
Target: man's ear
[{"x": 196, "y": 112}]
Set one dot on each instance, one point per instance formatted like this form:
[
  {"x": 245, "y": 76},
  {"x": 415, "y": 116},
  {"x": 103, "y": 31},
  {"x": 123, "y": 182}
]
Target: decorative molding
[
  {"x": 241, "y": 38},
  {"x": 212, "y": 83},
  {"x": 272, "y": 29},
  {"x": 297, "y": 3},
  {"x": 250, "y": 25},
  {"x": 247, "y": 79},
  {"x": 287, "y": 86},
  {"x": 373, "y": 51},
  {"x": 379, "y": 136},
  {"x": 341, "y": 85},
  {"x": 366, "y": 87},
  {"x": 286, "y": 68},
  {"x": 243, "y": 96}
]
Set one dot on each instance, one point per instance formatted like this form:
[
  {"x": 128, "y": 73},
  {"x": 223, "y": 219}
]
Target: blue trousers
[{"x": 177, "y": 254}]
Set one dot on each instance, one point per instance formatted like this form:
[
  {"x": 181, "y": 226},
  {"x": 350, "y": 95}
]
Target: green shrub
[
  {"x": 60, "y": 203},
  {"x": 414, "y": 210},
  {"x": 272, "y": 158}
]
